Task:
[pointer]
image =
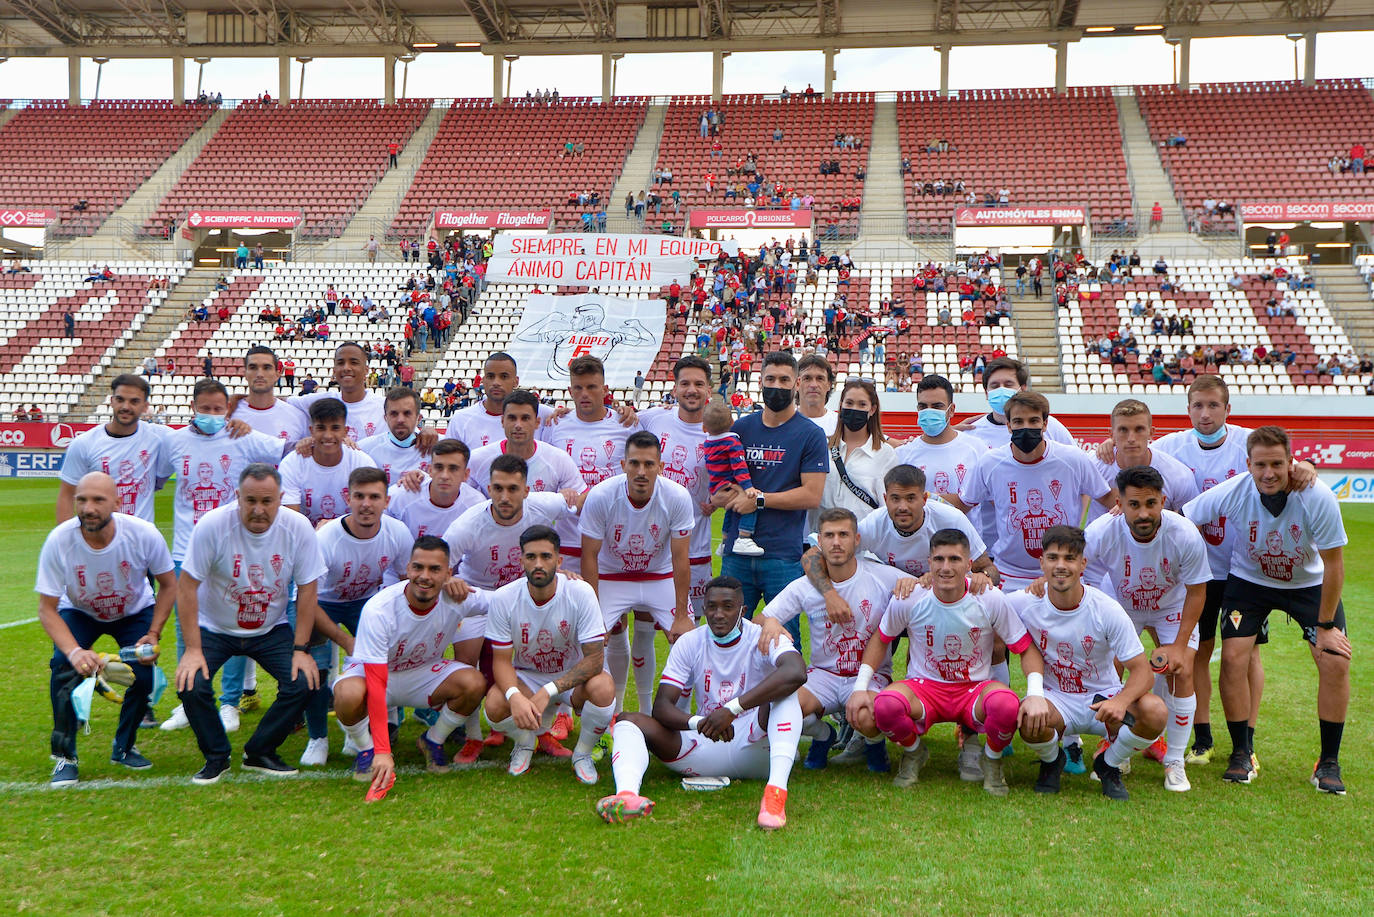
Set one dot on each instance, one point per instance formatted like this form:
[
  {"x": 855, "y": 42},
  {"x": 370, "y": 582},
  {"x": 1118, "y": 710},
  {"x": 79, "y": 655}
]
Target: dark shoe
[
  {"x": 1238, "y": 768},
  {"x": 1112, "y": 786},
  {"x": 1050, "y": 772},
  {"x": 211, "y": 772},
  {"x": 268, "y": 764},
  {"x": 131, "y": 759},
  {"x": 1326, "y": 776}
]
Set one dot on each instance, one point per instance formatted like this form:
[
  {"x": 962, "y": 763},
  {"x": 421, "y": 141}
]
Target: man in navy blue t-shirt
[{"x": 788, "y": 461}]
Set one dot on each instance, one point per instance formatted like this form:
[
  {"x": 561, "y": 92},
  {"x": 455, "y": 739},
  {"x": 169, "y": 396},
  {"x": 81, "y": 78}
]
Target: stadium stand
[
  {"x": 1228, "y": 302},
  {"x": 39, "y": 364},
  {"x": 511, "y": 157},
  {"x": 57, "y": 155},
  {"x": 293, "y": 288},
  {"x": 808, "y": 130},
  {"x": 1073, "y": 154},
  {"x": 1259, "y": 141},
  {"x": 319, "y": 156}
]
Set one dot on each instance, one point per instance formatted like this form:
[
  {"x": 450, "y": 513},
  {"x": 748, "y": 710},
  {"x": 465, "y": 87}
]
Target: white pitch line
[
  {"x": 156, "y": 783},
  {"x": 18, "y": 623}
]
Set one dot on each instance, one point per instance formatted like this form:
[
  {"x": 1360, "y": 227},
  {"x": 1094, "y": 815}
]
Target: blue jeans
[
  {"x": 763, "y": 577},
  {"x": 272, "y": 651},
  {"x": 346, "y": 615},
  {"x": 86, "y": 630},
  {"x": 231, "y": 677}
]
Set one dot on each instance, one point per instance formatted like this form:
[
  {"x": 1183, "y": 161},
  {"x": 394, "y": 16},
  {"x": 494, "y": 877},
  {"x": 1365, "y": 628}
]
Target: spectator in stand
[
  {"x": 1156, "y": 217},
  {"x": 1177, "y": 138},
  {"x": 35, "y": 414},
  {"x": 241, "y": 256},
  {"x": 1357, "y": 158},
  {"x": 69, "y": 322},
  {"x": 208, "y": 366}
]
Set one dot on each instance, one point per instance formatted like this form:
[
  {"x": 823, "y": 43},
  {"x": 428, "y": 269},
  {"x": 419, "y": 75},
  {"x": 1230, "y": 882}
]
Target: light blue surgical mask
[
  {"x": 998, "y": 398},
  {"x": 210, "y": 424},
  {"x": 1211, "y": 439},
  {"x": 933, "y": 421},
  {"x": 733, "y": 635},
  {"x": 403, "y": 443}
]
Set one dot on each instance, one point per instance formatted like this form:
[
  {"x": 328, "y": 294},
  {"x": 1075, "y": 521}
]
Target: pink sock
[
  {"x": 999, "y": 718},
  {"x": 893, "y": 715}
]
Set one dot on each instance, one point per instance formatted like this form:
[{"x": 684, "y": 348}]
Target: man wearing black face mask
[
  {"x": 1032, "y": 484},
  {"x": 788, "y": 461}
]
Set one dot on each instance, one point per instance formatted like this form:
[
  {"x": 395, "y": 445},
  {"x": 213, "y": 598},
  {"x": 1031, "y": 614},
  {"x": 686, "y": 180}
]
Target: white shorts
[
  {"x": 655, "y": 596},
  {"x": 413, "y": 687},
  {"x": 832, "y": 690},
  {"x": 745, "y": 756},
  {"x": 473, "y": 628},
  {"x": 536, "y": 680},
  {"x": 1076, "y": 709},
  {"x": 701, "y": 575},
  {"x": 1165, "y": 625}
]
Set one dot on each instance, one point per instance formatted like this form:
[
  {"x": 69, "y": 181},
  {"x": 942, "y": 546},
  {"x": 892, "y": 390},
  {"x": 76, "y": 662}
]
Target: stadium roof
[{"x": 352, "y": 28}]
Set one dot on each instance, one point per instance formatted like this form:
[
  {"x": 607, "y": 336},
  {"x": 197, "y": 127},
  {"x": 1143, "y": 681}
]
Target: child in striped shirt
[{"x": 725, "y": 465}]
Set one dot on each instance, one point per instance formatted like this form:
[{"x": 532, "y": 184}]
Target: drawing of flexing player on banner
[{"x": 583, "y": 333}]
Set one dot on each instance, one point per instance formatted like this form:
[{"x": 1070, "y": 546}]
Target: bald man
[{"x": 93, "y": 580}]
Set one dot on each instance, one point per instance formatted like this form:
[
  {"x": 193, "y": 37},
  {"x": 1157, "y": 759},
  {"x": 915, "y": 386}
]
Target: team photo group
[{"x": 502, "y": 581}]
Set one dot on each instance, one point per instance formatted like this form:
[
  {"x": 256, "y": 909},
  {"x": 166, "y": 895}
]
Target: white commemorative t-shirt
[
  {"x": 717, "y": 674},
  {"x": 1029, "y": 498},
  {"x": 1277, "y": 551},
  {"x": 953, "y": 642},
  {"x": 1211, "y": 466},
  {"x": 1179, "y": 486},
  {"x": 636, "y": 542},
  {"x": 1146, "y": 578},
  {"x": 283, "y": 421},
  {"x": 422, "y": 516},
  {"x": 321, "y": 492},
  {"x": 1079, "y": 645},
  {"x": 365, "y": 418},
  {"x": 544, "y": 638},
  {"x": 207, "y": 470},
  {"x": 945, "y": 464},
  {"x": 109, "y": 583},
  {"x": 998, "y": 436},
  {"x": 391, "y": 633},
  {"x": 911, "y": 552},
  {"x": 355, "y": 568},
  {"x": 596, "y": 448},
  {"x": 487, "y": 554},
  {"x": 475, "y": 427},
  {"x": 245, "y": 579},
  {"x": 550, "y": 469},
  {"x": 393, "y": 459},
  {"x": 839, "y": 648},
  {"x": 131, "y": 460},
  {"x": 684, "y": 461}
]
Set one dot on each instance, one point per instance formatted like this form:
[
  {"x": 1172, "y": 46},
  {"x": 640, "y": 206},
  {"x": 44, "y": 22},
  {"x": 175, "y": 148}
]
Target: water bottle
[{"x": 140, "y": 653}]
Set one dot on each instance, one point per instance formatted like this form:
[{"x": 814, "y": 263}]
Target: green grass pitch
[{"x": 485, "y": 843}]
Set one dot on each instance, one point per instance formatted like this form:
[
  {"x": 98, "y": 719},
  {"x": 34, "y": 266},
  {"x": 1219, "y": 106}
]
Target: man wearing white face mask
[
  {"x": 397, "y": 450},
  {"x": 207, "y": 462},
  {"x": 941, "y": 451}
]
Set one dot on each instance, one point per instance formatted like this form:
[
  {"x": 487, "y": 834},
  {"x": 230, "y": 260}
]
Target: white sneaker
[
  {"x": 349, "y": 747},
  {"x": 176, "y": 721},
  {"x": 229, "y": 716},
  {"x": 1176, "y": 777},
  {"x": 520, "y": 757},
  {"x": 584, "y": 769},
  {"x": 746, "y": 547},
  {"x": 316, "y": 753}
]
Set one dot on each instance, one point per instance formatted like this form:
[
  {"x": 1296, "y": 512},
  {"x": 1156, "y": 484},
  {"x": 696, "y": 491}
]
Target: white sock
[
  {"x": 784, "y": 722},
  {"x": 1068, "y": 740},
  {"x": 393, "y": 716},
  {"x": 1180, "y": 726},
  {"x": 817, "y": 728},
  {"x": 562, "y": 709},
  {"x": 472, "y": 725},
  {"x": 875, "y": 740},
  {"x": 443, "y": 727},
  {"x": 630, "y": 759},
  {"x": 645, "y": 663},
  {"x": 618, "y": 664},
  {"x": 595, "y": 721},
  {"x": 250, "y": 676},
  {"x": 361, "y": 734},
  {"x": 1001, "y": 672},
  {"x": 1046, "y": 751},
  {"x": 522, "y": 737},
  {"x": 1127, "y": 743}
]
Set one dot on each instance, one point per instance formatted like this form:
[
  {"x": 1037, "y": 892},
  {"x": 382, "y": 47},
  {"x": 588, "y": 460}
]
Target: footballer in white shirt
[
  {"x": 397, "y": 449},
  {"x": 550, "y": 468},
  {"x": 748, "y": 718},
  {"x": 365, "y": 414},
  {"x": 837, "y": 642},
  {"x": 898, "y": 533},
  {"x": 547, "y": 639},
  {"x": 398, "y": 661},
  {"x": 1289, "y": 556},
  {"x": 126, "y": 448},
  {"x": 1129, "y": 447},
  {"x": 442, "y": 496},
  {"x": 942, "y": 452},
  {"x": 1082, "y": 633},
  {"x": 261, "y": 409},
  {"x": 316, "y": 485}
]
